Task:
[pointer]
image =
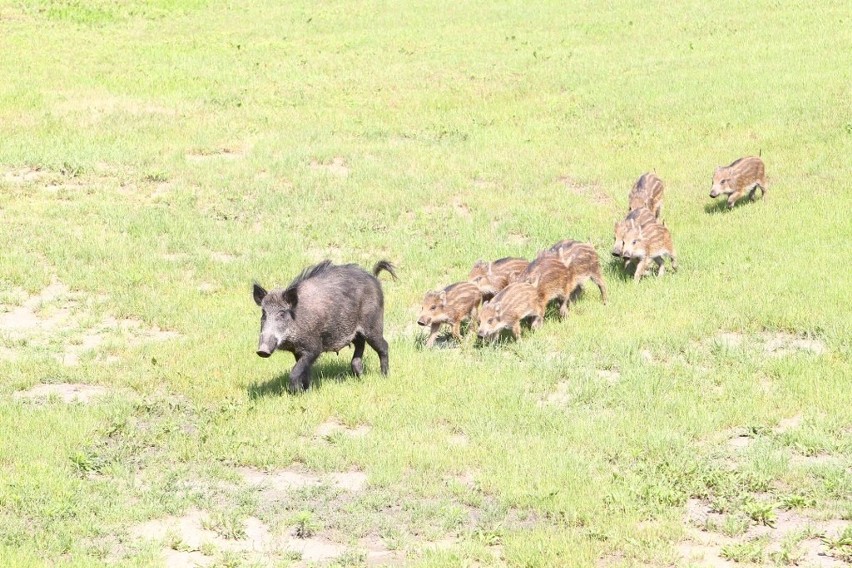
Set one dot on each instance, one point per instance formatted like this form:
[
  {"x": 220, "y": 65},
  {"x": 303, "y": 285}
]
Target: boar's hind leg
[
  {"x": 357, "y": 363},
  {"x": 380, "y": 346},
  {"x": 661, "y": 265},
  {"x": 300, "y": 376}
]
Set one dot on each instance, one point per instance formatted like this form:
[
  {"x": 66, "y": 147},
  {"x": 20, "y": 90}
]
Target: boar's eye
[
  {"x": 490, "y": 320},
  {"x": 282, "y": 313},
  {"x": 635, "y": 241},
  {"x": 433, "y": 307}
]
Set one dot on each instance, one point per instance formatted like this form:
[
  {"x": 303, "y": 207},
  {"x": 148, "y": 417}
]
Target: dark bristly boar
[
  {"x": 584, "y": 264},
  {"x": 514, "y": 303},
  {"x": 491, "y": 277},
  {"x": 647, "y": 192},
  {"x": 743, "y": 176},
  {"x": 641, "y": 216},
  {"x": 451, "y": 305},
  {"x": 326, "y": 308},
  {"x": 644, "y": 243}
]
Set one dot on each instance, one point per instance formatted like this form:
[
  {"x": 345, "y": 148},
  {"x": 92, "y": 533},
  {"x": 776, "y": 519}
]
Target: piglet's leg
[{"x": 433, "y": 333}]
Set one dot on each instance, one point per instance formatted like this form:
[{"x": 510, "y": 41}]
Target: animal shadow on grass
[
  {"x": 721, "y": 205},
  {"x": 332, "y": 370},
  {"x": 445, "y": 339},
  {"x": 618, "y": 270}
]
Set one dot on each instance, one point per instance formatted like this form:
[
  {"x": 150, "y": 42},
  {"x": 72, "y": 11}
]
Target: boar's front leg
[
  {"x": 300, "y": 376},
  {"x": 357, "y": 363}
]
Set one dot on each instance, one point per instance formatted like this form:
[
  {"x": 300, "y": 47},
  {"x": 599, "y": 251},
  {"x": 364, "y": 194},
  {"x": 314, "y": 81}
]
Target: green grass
[{"x": 174, "y": 144}]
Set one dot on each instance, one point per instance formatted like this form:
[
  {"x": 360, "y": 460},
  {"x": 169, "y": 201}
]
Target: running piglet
[
  {"x": 451, "y": 305},
  {"x": 516, "y": 302},
  {"x": 491, "y": 277},
  {"x": 743, "y": 176}
]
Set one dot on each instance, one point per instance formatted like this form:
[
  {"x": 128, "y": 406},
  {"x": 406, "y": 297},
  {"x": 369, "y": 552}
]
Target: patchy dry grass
[{"x": 157, "y": 157}]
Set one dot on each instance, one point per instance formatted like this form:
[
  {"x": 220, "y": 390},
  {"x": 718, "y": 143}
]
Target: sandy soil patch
[
  {"x": 458, "y": 439},
  {"x": 788, "y": 424},
  {"x": 284, "y": 480},
  {"x": 184, "y": 537},
  {"x": 591, "y": 191},
  {"x": 175, "y": 256},
  {"x": 203, "y": 156},
  {"x": 560, "y": 396},
  {"x": 332, "y": 427},
  {"x": 609, "y": 375},
  {"x": 24, "y": 175},
  {"x": 782, "y": 344},
  {"x": 66, "y": 392},
  {"x": 378, "y": 554},
  {"x": 41, "y": 312},
  {"x": 461, "y": 209},
  {"x": 222, "y": 257},
  {"x": 336, "y": 167},
  {"x": 706, "y": 547}
]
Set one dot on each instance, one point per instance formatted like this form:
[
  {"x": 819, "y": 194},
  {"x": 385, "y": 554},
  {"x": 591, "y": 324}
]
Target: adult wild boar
[{"x": 326, "y": 308}]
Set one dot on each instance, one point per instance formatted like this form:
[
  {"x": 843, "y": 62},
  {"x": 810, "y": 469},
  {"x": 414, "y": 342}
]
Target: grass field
[{"x": 157, "y": 157}]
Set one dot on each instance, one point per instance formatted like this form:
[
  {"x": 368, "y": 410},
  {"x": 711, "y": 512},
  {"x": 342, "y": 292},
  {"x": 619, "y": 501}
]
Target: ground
[{"x": 156, "y": 158}]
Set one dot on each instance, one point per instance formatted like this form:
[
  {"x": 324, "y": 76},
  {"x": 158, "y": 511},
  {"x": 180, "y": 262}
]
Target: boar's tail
[{"x": 386, "y": 266}]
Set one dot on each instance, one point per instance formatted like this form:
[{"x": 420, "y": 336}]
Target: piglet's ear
[
  {"x": 259, "y": 293},
  {"x": 442, "y": 296}
]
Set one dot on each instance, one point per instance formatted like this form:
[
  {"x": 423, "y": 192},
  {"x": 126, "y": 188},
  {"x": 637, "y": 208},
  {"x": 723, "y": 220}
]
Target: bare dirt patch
[
  {"x": 184, "y": 538},
  {"x": 222, "y": 257},
  {"x": 336, "y": 166},
  {"x": 704, "y": 546},
  {"x": 203, "y": 156},
  {"x": 24, "y": 175},
  {"x": 591, "y": 191},
  {"x": 461, "y": 209},
  {"x": 609, "y": 375},
  {"x": 332, "y": 427},
  {"x": 782, "y": 344},
  {"x": 559, "y": 397},
  {"x": 284, "y": 480},
  {"x": 788, "y": 424},
  {"x": 66, "y": 392},
  {"x": 45, "y": 311},
  {"x": 458, "y": 439}
]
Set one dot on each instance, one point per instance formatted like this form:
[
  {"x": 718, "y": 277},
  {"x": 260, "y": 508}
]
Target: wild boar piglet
[
  {"x": 743, "y": 176},
  {"x": 646, "y": 243},
  {"x": 491, "y": 277},
  {"x": 647, "y": 192},
  {"x": 451, "y": 305},
  {"x": 514, "y": 303}
]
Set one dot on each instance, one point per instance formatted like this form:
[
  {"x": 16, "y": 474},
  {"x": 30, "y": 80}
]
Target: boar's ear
[
  {"x": 259, "y": 293},
  {"x": 442, "y": 296},
  {"x": 490, "y": 269},
  {"x": 290, "y": 297}
]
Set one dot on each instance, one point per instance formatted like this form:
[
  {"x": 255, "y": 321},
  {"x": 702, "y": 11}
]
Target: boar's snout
[
  {"x": 422, "y": 321},
  {"x": 714, "y": 194},
  {"x": 262, "y": 352}
]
